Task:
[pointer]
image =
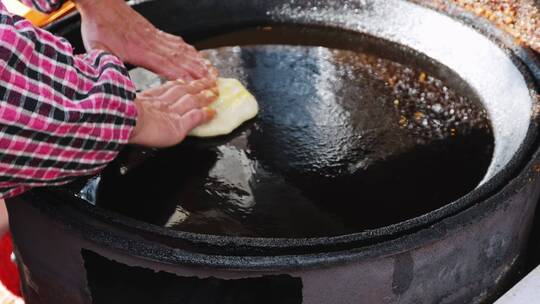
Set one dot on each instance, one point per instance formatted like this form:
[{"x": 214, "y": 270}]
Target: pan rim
[{"x": 505, "y": 182}]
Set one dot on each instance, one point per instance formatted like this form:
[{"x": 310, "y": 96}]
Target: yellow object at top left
[{"x": 37, "y": 18}]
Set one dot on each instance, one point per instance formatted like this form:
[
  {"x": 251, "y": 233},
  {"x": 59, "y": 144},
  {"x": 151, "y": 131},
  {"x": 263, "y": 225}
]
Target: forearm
[{"x": 4, "y": 224}]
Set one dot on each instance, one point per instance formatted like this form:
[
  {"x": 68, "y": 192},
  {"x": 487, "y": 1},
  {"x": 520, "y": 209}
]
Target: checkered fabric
[{"x": 61, "y": 115}]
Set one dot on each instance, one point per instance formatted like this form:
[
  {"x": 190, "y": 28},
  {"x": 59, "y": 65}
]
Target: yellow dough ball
[{"x": 234, "y": 106}]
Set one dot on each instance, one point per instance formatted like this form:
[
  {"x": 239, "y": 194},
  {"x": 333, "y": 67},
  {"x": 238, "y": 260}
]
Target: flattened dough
[{"x": 234, "y": 106}]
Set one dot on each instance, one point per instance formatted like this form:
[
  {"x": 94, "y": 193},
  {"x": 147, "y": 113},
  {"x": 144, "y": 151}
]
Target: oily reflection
[{"x": 344, "y": 141}]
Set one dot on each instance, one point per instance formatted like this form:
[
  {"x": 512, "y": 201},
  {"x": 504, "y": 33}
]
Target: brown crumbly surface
[
  {"x": 427, "y": 107},
  {"x": 520, "y": 18}
]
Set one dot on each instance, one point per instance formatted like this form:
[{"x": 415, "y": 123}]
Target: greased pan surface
[{"x": 338, "y": 128}]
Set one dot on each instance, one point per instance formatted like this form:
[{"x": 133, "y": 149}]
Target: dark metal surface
[
  {"x": 499, "y": 90},
  {"x": 462, "y": 253},
  {"x": 330, "y": 139}
]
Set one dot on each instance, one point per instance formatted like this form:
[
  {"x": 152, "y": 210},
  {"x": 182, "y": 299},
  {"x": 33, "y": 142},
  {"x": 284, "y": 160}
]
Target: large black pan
[
  {"x": 329, "y": 141},
  {"x": 454, "y": 252}
]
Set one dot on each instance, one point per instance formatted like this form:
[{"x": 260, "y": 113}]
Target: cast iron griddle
[{"x": 344, "y": 141}]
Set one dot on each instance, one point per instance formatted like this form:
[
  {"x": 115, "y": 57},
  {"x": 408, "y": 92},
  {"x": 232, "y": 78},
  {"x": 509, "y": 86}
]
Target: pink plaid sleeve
[
  {"x": 61, "y": 115},
  {"x": 45, "y": 6}
]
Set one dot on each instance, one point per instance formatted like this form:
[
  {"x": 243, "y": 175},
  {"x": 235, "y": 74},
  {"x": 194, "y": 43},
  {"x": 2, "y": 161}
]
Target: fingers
[
  {"x": 214, "y": 72},
  {"x": 170, "y": 57},
  {"x": 159, "y": 90},
  {"x": 193, "y": 119},
  {"x": 170, "y": 69},
  {"x": 191, "y": 102},
  {"x": 197, "y": 69},
  {"x": 202, "y": 84},
  {"x": 177, "y": 92},
  {"x": 171, "y": 37},
  {"x": 182, "y": 56},
  {"x": 181, "y": 98},
  {"x": 173, "y": 59},
  {"x": 172, "y": 91},
  {"x": 174, "y": 43},
  {"x": 160, "y": 127}
]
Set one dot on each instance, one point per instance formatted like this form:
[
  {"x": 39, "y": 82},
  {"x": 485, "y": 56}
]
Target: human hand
[
  {"x": 113, "y": 26},
  {"x": 168, "y": 113}
]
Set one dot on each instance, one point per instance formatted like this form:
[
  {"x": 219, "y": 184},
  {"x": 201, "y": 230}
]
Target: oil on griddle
[{"x": 346, "y": 140}]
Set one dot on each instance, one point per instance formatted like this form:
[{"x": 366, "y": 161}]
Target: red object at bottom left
[{"x": 9, "y": 276}]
